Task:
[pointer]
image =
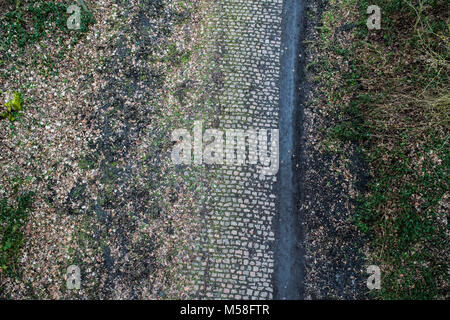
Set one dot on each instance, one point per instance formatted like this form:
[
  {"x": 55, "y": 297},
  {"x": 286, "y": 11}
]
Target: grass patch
[
  {"x": 27, "y": 22},
  {"x": 176, "y": 57},
  {"x": 12, "y": 221},
  {"x": 399, "y": 114}
]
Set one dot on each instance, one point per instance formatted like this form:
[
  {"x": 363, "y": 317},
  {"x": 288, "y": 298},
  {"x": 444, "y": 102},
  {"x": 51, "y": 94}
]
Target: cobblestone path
[{"x": 236, "y": 257}]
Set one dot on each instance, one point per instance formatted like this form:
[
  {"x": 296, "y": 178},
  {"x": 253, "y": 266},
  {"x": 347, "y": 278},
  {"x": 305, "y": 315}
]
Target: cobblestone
[{"x": 236, "y": 258}]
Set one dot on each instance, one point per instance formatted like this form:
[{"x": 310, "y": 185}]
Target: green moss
[{"x": 11, "y": 108}]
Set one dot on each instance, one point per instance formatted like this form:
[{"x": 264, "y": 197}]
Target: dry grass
[
  {"x": 403, "y": 102},
  {"x": 399, "y": 115}
]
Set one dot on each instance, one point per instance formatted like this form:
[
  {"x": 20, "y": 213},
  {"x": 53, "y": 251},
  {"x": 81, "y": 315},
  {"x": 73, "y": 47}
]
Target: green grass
[
  {"x": 176, "y": 57},
  {"x": 12, "y": 221},
  {"x": 31, "y": 20},
  {"x": 399, "y": 114},
  {"x": 28, "y": 22}
]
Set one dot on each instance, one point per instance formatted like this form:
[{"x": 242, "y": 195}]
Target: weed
[{"x": 12, "y": 108}]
